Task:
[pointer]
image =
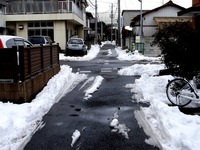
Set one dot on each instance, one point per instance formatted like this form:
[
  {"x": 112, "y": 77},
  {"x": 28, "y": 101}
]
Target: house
[
  {"x": 2, "y": 16},
  {"x": 58, "y": 19},
  {"x": 151, "y": 20},
  {"x": 193, "y": 11},
  {"x": 127, "y": 16},
  {"x": 88, "y": 31}
]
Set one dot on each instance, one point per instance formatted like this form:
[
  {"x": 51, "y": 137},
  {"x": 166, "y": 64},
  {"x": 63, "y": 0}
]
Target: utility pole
[
  {"x": 119, "y": 23},
  {"x": 111, "y": 16},
  {"x": 101, "y": 30},
  {"x": 140, "y": 24},
  {"x": 96, "y": 34}
]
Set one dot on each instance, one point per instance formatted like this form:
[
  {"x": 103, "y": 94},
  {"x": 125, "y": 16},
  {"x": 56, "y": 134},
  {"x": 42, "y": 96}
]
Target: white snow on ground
[
  {"x": 139, "y": 69},
  {"x": 167, "y": 127}
]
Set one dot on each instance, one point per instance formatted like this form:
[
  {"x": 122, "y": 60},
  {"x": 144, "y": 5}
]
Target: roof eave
[{"x": 190, "y": 11}]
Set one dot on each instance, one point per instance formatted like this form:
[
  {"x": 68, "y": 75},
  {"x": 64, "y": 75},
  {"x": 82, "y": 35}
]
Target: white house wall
[
  {"x": 60, "y": 33},
  {"x": 22, "y": 33},
  {"x": 128, "y": 15},
  {"x": 2, "y": 21},
  {"x": 149, "y": 22}
]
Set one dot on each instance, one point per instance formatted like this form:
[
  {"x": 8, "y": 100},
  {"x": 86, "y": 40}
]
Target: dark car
[
  {"x": 40, "y": 40},
  {"x": 76, "y": 46}
]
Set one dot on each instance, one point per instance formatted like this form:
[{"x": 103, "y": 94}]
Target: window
[
  {"x": 44, "y": 28},
  {"x": 75, "y": 41},
  {"x": 19, "y": 42},
  {"x": 10, "y": 43},
  {"x": 37, "y": 40}
]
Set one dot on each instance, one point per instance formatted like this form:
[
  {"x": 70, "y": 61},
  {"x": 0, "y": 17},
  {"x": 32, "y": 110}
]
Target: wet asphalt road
[{"x": 92, "y": 117}]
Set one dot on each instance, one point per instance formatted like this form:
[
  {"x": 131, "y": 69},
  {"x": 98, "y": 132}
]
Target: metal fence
[{"x": 43, "y": 7}]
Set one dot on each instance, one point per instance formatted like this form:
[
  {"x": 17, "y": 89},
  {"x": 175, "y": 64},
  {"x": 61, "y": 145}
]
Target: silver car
[{"x": 76, "y": 46}]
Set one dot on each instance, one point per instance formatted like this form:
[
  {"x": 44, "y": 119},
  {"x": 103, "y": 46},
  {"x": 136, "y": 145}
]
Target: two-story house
[
  {"x": 127, "y": 16},
  {"x": 151, "y": 20},
  {"x": 2, "y": 16},
  {"x": 88, "y": 34},
  {"x": 59, "y": 19}
]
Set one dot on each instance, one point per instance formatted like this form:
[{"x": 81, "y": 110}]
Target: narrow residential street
[{"x": 92, "y": 115}]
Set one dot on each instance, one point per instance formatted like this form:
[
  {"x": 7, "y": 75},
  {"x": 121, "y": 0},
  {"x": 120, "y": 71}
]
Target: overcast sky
[{"x": 104, "y": 6}]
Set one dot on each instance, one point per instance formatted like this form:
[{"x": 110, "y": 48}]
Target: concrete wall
[
  {"x": 60, "y": 33},
  {"x": 2, "y": 21},
  {"x": 22, "y": 32}
]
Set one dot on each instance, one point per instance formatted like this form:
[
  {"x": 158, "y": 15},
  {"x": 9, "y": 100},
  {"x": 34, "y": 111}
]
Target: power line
[{"x": 91, "y": 4}]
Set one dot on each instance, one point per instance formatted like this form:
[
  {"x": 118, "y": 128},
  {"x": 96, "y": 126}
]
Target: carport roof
[{"x": 172, "y": 19}]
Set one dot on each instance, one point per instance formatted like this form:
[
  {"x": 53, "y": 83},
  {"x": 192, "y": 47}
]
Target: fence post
[
  {"x": 42, "y": 57},
  {"x": 29, "y": 62},
  {"x": 21, "y": 63},
  {"x": 51, "y": 56},
  {"x": 58, "y": 51},
  {"x": 16, "y": 61}
]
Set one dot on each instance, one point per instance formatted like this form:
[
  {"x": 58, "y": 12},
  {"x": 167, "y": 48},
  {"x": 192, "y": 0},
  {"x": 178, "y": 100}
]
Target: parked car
[
  {"x": 76, "y": 46},
  {"x": 8, "y": 41},
  {"x": 38, "y": 40}
]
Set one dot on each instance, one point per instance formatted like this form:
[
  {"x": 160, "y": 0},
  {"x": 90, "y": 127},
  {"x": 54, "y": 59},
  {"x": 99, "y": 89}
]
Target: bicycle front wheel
[{"x": 177, "y": 86}]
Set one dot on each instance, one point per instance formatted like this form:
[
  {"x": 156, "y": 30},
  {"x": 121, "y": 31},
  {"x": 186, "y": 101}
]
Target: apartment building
[{"x": 59, "y": 19}]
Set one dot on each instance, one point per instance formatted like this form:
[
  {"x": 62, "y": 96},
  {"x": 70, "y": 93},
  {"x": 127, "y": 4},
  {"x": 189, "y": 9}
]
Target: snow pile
[{"x": 139, "y": 69}]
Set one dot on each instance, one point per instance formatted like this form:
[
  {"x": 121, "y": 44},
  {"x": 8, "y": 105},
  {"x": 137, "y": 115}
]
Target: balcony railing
[{"x": 43, "y": 7}]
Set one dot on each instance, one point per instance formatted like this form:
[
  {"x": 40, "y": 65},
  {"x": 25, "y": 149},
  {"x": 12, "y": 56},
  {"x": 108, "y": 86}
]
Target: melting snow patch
[
  {"x": 120, "y": 128},
  {"x": 75, "y": 137},
  {"x": 94, "y": 87}
]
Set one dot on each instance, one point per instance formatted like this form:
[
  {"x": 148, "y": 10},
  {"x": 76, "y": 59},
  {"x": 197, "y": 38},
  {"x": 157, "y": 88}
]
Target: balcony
[{"x": 43, "y": 7}]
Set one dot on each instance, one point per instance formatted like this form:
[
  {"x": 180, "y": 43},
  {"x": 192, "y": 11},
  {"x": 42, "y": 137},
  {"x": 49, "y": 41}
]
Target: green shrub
[{"x": 179, "y": 46}]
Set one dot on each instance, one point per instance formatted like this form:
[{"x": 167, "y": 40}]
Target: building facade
[
  {"x": 55, "y": 18},
  {"x": 127, "y": 37},
  {"x": 151, "y": 20}
]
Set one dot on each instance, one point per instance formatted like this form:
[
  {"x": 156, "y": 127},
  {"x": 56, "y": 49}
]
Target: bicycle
[{"x": 181, "y": 92}]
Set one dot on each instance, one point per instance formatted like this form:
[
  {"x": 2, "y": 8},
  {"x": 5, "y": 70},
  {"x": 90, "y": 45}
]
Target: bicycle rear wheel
[{"x": 177, "y": 86}]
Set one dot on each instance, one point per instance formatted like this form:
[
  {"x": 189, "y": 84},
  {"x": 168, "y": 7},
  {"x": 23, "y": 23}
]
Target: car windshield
[{"x": 75, "y": 41}]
